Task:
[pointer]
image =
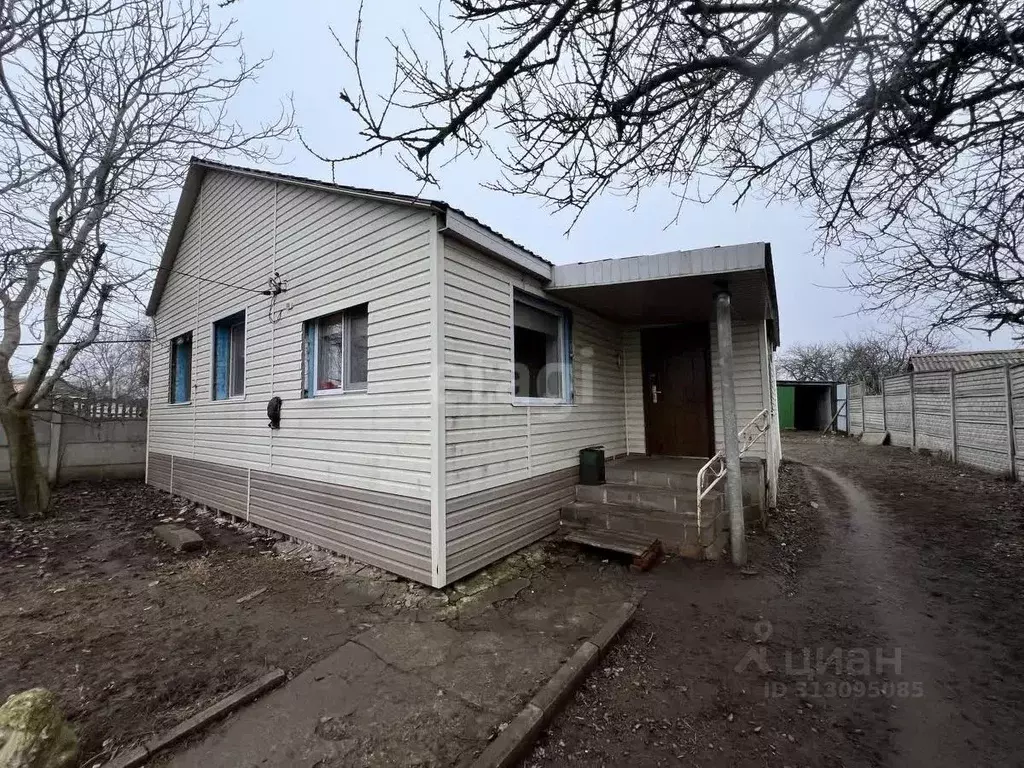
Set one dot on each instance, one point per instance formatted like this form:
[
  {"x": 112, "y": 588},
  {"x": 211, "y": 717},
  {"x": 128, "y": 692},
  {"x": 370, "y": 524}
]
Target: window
[
  {"x": 229, "y": 357},
  {"x": 541, "y": 350},
  {"x": 181, "y": 369},
  {"x": 336, "y": 352}
]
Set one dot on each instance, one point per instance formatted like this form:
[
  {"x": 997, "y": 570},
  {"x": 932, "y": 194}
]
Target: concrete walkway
[{"x": 419, "y": 693}]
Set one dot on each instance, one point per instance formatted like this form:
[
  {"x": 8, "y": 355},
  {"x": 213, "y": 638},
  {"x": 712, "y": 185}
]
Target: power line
[
  {"x": 213, "y": 281},
  {"x": 98, "y": 341},
  {"x": 194, "y": 277}
]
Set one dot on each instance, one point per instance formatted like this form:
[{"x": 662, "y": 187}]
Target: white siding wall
[
  {"x": 510, "y": 468},
  {"x": 334, "y": 251},
  {"x": 490, "y": 441},
  {"x": 751, "y": 398},
  {"x": 636, "y": 435}
]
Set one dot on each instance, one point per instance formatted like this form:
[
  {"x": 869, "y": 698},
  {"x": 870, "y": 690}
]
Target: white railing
[{"x": 715, "y": 466}]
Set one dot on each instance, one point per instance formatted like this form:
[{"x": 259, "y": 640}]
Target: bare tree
[
  {"x": 20, "y": 21},
  {"x": 116, "y": 366},
  {"x": 960, "y": 261},
  {"x": 101, "y": 104},
  {"x": 874, "y": 112},
  {"x": 868, "y": 358}
]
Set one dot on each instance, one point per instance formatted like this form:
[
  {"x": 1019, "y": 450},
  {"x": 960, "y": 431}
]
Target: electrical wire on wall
[
  {"x": 183, "y": 273},
  {"x": 278, "y": 285}
]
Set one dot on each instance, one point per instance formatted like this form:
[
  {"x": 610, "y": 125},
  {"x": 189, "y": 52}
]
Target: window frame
[
  {"x": 311, "y": 334},
  {"x": 244, "y": 314},
  {"x": 172, "y": 368},
  {"x": 565, "y": 348}
]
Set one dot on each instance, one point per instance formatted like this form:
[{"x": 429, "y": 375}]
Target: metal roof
[
  {"x": 703, "y": 263},
  {"x": 700, "y": 261},
  {"x": 676, "y": 286},
  {"x": 964, "y": 361}
]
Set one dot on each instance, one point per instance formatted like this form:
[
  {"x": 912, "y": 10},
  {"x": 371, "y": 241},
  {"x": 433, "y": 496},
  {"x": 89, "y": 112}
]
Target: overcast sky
[{"x": 307, "y": 64}]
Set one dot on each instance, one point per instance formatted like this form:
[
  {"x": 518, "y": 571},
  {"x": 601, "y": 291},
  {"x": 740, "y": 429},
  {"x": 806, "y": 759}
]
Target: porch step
[
  {"x": 634, "y": 544},
  {"x": 660, "y": 497},
  {"x": 631, "y": 516},
  {"x": 681, "y": 476},
  {"x": 677, "y": 531},
  {"x": 643, "y": 549}
]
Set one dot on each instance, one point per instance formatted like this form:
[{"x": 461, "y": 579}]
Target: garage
[{"x": 812, "y": 405}]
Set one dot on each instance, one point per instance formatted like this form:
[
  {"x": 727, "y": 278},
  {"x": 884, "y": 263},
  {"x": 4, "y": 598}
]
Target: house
[
  {"x": 964, "y": 361},
  {"x": 437, "y": 380},
  {"x": 61, "y": 389}
]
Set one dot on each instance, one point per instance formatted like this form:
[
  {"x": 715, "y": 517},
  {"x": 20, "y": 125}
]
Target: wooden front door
[{"x": 677, "y": 390}]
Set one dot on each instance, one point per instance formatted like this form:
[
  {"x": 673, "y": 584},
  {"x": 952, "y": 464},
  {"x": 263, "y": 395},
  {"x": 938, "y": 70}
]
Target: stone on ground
[
  {"x": 875, "y": 438},
  {"x": 179, "y": 538},
  {"x": 33, "y": 732}
]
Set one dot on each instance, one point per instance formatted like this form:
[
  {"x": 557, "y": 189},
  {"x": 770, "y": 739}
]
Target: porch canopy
[
  {"x": 674, "y": 287},
  {"x": 722, "y": 285}
]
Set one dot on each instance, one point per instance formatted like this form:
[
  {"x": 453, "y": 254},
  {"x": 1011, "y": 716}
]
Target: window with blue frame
[
  {"x": 229, "y": 357},
  {"x": 181, "y": 369},
  {"x": 541, "y": 350},
  {"x": 336, "y": 352}
]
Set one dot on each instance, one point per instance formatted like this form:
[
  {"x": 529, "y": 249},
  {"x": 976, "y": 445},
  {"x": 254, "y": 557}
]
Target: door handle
[{"x": 654, "y": 393}]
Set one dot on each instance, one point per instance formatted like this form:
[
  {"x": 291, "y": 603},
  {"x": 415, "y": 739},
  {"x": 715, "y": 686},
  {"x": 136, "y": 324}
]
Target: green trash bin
[{"x": 592, "y": 465}]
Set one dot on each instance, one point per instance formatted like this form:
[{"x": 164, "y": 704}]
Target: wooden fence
[{"x": 977, "y": 417}]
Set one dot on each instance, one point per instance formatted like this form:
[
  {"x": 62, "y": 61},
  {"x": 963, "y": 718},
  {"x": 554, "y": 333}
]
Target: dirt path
[
  {"x": 869, "y": 563},
  {"x": 882, "y": 629}
]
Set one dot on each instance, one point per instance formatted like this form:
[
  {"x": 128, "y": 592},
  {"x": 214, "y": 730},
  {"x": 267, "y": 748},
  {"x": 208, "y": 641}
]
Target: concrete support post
[
  {"x": 863, "y": 409},
  {"x": 885, "y": 415},
  {"x": 53, "y": 455},
  {"x": 913, "y": 419},
  {"x": 952, "y": 416},
  {"x": 1011, "y": 447},
  {"x": 726, "y": 376}
]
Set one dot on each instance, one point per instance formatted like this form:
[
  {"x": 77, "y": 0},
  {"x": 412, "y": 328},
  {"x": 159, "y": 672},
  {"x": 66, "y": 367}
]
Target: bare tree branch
[
  {"x": 874, "y": 112},
  {"x": 102, "y": 102},
  {"x": 868, "y": 358}
]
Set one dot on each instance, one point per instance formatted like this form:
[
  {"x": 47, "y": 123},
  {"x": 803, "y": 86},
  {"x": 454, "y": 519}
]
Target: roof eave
[
  {"x": 455, "y": 222},
  {"x": 182, "y": 214},
  {"x": 769, "y": 269},
  {"x": 463, "y": 228}
]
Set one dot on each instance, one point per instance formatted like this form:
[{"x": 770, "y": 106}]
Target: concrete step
[
  {"x": 646, "y": 496},
  {"x": 675, "y": 529},
  {"x": 585, "y": 511},
  {"x": 679, "y": 479}
]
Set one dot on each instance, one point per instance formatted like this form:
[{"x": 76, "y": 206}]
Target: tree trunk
[{"x": 30, "y": 484}]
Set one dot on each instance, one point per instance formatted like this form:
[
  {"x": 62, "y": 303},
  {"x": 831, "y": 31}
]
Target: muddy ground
[
  {"x": 135, "y": 638},
  {"x": 875, "y": 551}
]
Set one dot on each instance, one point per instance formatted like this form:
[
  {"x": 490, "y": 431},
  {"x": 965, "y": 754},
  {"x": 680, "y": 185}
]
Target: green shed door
[{"x": 786, "y": 398}]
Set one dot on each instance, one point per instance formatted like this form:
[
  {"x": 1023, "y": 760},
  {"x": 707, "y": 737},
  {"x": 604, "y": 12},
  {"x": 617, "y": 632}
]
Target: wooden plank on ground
[{"x": 614, "y": 541}]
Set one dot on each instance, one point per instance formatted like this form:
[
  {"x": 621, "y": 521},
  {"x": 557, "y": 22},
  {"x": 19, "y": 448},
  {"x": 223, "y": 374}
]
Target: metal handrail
[{"x": 749, "y": 435}]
